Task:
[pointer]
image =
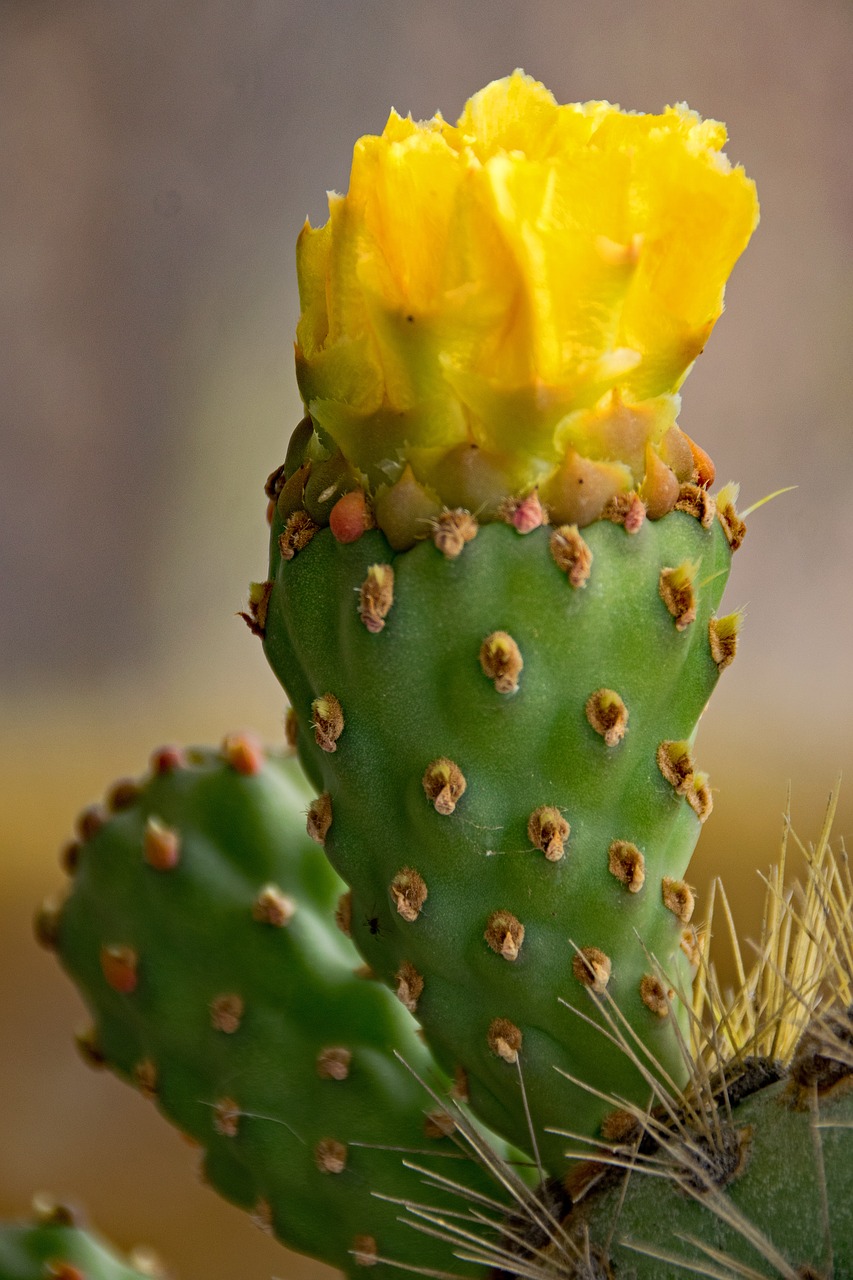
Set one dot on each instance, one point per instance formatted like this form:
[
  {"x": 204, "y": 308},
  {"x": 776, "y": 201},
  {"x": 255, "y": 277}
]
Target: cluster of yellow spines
[{"x": 532, "y": 283}]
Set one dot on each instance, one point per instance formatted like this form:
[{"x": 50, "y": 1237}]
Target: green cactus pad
[
  {"x": 769, "y": 1187},
  {"x": 502, "y": 733},
  {"x": 200, "y": 928},
  {"x": 56, "y": 1247}
]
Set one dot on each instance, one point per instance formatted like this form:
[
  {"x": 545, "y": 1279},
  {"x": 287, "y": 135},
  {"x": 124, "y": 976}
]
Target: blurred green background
[{"x": 159, "y": 159}]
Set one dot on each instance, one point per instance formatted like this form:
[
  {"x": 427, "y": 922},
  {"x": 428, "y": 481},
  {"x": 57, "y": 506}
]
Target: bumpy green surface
[
  {"x": 251, "y": 1094},
  {"x": 48, "y": 1250},
  {"x": 415, "y": 691},
  {"x": 776, "y": 1199}
]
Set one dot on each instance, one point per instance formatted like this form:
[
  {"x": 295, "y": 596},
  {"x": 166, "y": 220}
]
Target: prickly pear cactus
[
  {"x": 55, "y": 1246},
  {"x": 511, "y": 796},
  {"x": 200, "y": 928},
  {"x": 757, "y": 1180},
  {"x": 496, "y": 690}
]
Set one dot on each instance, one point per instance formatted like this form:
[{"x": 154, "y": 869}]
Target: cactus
[
  {"x": 495, "y": 573},
  {"x": 200, "y": 927},
  {"x": 501, "y": 716},
  {"x": 56, "y": 1246}
]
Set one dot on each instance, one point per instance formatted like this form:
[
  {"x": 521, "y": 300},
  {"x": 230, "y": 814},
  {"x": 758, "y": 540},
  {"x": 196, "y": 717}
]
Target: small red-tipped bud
[
  {"x": 704, "y": 471},
  {"x": 504, "y": 1039},
  {"x": 504, "y": 934},
  {"x": 90, "y": 821},
  {"x": 444, "y": 784},
  {"x": 161, "y": 845},
  {"x": 123, "y": 794},
  {"x": 46, "y": 923},
  {"x": 244, "y": 753},
  {"x": 273, "y": 907},
  {"x": 69, "y": 856},
  {"x": 409, "y": 893},
  {"x": 330, "y": 1156},
  {"x": 119, "y": 966},
  {"x": 350, "y": 517},
  {"x": 167, "y": 760},
  {"x": 525, "y": 514},
  {"x": 627, "y": 509},
  {"x": 327, "y": 720},
  {"x": 608, "y": 715},
  {"x": 627, "y": 864},
  {"x": 376, "y": 596},
  {"x": 592, "y": 967}
]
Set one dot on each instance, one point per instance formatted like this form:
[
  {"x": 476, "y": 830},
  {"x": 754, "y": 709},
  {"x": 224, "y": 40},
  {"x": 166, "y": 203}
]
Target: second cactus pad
[
  {"x": 499, "y": 725},
  {"x": 200, "y": 928}
]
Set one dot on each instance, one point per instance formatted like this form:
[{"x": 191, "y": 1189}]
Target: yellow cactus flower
[{"x": 514, "y": 301}]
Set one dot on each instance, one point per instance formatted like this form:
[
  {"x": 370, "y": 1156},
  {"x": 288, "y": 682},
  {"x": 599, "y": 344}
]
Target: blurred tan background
[{"x": 158, "y": 160}]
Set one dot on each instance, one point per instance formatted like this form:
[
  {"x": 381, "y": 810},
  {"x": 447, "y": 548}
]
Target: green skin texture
[
  {"x": 196, "y": 938},
  {"x": 26, "y": 1250},
  {"x": 415, "y": 692},
  {"x": 782, "y": 1170}
]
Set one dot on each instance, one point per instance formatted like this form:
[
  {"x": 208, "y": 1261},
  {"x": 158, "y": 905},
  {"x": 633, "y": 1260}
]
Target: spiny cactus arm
[
  {"x": 580, "y": 807},
  {"x": 200, "y": 929},
  {"x": 54, "y": 1245}
]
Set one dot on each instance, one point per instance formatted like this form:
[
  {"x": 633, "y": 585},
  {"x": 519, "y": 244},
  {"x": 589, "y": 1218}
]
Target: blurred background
[{"x": 159, "y": 160}]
